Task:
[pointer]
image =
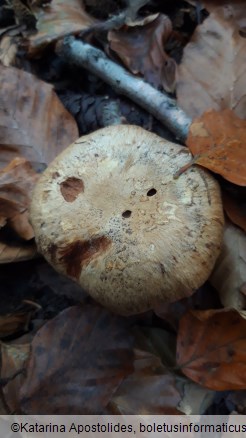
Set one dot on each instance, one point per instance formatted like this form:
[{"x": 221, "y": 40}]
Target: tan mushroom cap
[{"x": 109, "y": 214}]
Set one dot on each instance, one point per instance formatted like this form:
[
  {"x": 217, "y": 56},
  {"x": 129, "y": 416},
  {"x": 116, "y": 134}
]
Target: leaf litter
[{"x": 31, "y": 135}]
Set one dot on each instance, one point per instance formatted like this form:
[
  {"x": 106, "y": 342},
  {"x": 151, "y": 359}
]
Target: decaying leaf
[
  {"x": 35, "y": 127},
  {"x": 60, "y": 18},
  {"x": 17, "y": 252},
  {"x": 195, "y": 399},
  {"x": 212, "y": 73},
  {"x": 14, "y": 323},
  {"x": 17, "y": 180},
  {"x": 217, "y": 141},
  {"x": 13, "y": 363},
  {"x": 235, "y": 210},
  {"x": 211, "y": 348},
  {"x": 203, "y": 299},
  {"x": 141, "y": 48},
  {"x": 231, "y": 9},
  {"x": 8, "y": 50},
  {"x": 150, "y": 389},
  {"x": 229, "y": 274},
  {"x": 34, "y": 123},
  {"x": 91, "y": 354}
]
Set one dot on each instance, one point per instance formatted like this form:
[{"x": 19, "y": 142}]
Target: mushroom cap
[{"x": 108, "y": 213}]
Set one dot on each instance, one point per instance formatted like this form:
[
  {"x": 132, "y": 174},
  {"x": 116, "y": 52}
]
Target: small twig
[{"x": 161, "y": 106}]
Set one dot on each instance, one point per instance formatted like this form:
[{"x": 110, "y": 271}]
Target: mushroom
[{"x": 108, "y": 213}]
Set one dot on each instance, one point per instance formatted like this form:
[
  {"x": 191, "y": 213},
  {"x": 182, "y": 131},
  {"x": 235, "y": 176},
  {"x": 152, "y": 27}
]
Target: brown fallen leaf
[
  {"x": 153, "y": 388},
  {"x": 212, "y": 73},
  {"x": 235, "y": 9},
  {"x": 8, "y": 50},
  {"x": 235, "y": 209},
  {"x": 14, "y": 323},
  {"x": 55, "y": 21},
  {"x": 90, "y": 356},
  {"x": 13, "y": 363},
  {"x": 211, "y": 348},
  {"x": 18, "y": 252},
  {"x": 17, "y": 180},
  {"x": 217, "y": 141},
  {"x": 204, "y": 298},
  {"x": 34, "y": 123},
  {"x": 229, "y": 274},
  {"x": 34, "y": 127},
  {"x": 141, "y": 49},
  {"x": 149, "y": 390}
]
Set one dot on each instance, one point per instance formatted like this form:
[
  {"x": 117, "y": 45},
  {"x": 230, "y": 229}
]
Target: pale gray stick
[{"x": 158, "y": 104}]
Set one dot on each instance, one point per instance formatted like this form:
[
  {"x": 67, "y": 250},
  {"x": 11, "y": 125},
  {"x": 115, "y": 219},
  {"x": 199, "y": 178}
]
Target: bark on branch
[{"x": 158, "y": 104}]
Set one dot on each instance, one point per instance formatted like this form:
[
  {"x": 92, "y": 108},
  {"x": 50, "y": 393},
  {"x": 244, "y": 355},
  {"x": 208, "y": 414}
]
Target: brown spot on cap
[
  {"x": 80, "y": 252},
  {"x": 71, "y": 188}
]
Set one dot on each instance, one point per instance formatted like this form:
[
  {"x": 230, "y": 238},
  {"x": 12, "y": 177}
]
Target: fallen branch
[{"x": 161, "y": 106}]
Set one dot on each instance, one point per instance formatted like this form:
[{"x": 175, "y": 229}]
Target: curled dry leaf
[
  {"x": 211, "y": 348},
  {"x": 16, "y": 253},
  {"x": 217, "y": 141},
  {"x": 8, "y": 50},
  {"x": 60, "y": 18},
  {"x": 212, "y": 73},
  {"x": 91, "y": 354},
  {"x": 13, "y": 323},
  {"x": 141, "y": 49},
  {"x": 16, "y": 184},
  {"x": 229, "y": 274}
]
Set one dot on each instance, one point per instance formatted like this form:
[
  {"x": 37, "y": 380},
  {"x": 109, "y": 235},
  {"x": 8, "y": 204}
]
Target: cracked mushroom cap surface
[{"x": 108, "y": 213}]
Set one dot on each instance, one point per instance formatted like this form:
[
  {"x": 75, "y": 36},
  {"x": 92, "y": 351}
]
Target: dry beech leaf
[
  {"x": 13, "y": 363},
  {"x": 90, "y": 356},
  {"x": 60, "y": 18},
  {"x": 217, "y": 141},
  {"x": 141, "y": 49},
  {"x": 34, "y": 123},
  {"x": 8, "y": 50},
  {"x": 13, "y": 323},
  {"x": 17, "y": 180},
  {"x": 211, "y": 348},
  {"x": 235, "y": 10},
  {"x": 235, "y": 210},
  {"x": 195, "y": 398},
  {"x": 212, "y": 73},
  {"x": 17, "y": 253},
  {"x": 229, "y": 274},
  {"x": 36, "y": 127},
  {"x": 150, "y": 389}
]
